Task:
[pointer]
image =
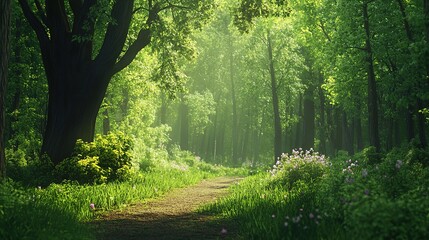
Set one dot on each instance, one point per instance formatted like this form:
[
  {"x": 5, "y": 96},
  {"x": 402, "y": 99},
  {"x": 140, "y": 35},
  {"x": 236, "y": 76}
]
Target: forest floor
[{"x": 173, "y": 216}]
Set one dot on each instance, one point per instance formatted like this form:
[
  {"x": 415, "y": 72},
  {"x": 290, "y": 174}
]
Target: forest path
[{"x": 173, "y": 216}]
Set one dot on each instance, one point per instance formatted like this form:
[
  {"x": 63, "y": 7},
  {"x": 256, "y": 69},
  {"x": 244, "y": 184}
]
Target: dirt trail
[{"x": 171, "y": 217}]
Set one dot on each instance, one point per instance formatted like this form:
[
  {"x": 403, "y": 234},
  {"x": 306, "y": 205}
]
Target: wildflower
[
  {"x": 92, "y": 206},
  {"x": 273, "y": 216},
  {"x": 39, "y": 187},
  {"x": 223, "y": 231},
  {"x": 311, "y": 215},
  {"x": 366, "y": 192},
  {"x": 286, "y": 224}
]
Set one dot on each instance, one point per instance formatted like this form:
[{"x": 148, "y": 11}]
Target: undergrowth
[
  {"x": 61, "y": 210},
  {"x": 306, "y": 196}
]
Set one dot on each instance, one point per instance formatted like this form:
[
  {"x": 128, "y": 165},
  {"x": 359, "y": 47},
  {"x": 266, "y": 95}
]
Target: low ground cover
[
  {"x": 60, "y": 210},
  {"x": 307, "y": 196}
]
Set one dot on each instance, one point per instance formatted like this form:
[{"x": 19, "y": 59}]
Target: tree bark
[
  {"x": 235, "y": 147},
  {"x": 339, "y": 143},
  {"x": 426, "y": 17},
  {"x": 275, "y": 99},
  {"x": 77, "y": 83},
  {"x": 409, "y": 121},
  {"x": 374, "y": 138},
  {"x": 347, "y": 135},
  {"x": 420, "y": 117},
  {"x": 358, "y": 127},
  {"x": 322, "y": 124},
  {"x": 4, "y": 63},
  {"x": 309, "y": 119},
  {"x": 298, "y": 126},
  {"x": 184, "y": 126}
]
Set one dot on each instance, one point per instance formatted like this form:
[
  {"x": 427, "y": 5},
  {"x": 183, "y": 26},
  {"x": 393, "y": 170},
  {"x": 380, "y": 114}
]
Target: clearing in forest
[{"x": 173, "y": 216}]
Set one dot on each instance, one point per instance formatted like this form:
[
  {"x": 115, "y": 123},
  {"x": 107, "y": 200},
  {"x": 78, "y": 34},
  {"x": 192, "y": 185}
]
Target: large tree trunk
[
  {"x": 77, "y": 81},
  {"x": 4, "y": 62},
  {"x": 275, "y": 99},
  {"x": 374, "y": 138},
  {"x": 71, "y": 115}
]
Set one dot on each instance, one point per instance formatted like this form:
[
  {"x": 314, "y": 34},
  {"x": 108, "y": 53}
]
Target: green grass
[
  {"x": 61, "y": 210},
  {"x": 352, "y": 199},
  {"x": 262, "y": 210}
]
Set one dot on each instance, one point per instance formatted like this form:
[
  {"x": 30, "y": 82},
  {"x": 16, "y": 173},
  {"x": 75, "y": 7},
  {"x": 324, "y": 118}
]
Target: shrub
[
  {"x": 371, "y": 156},
  {"x": 307, "y": 166},
  {"x": 106, "y": 159},
  {"x": 379, "y": 217}
]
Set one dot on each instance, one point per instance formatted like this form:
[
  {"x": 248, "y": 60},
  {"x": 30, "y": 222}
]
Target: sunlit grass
[
  {"x": 350, "y": 199},
  {"x": 264, "y": 211},
  {"x": 61, "y": 210}
]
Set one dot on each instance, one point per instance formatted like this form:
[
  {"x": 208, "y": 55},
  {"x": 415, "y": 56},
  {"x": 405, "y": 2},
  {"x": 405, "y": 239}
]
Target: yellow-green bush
[{"x": 106, "y": 159}]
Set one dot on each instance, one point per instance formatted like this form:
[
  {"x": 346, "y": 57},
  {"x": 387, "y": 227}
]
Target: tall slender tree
[
  {"x": 374, "y": 138},
  {"x": 4, "y": 62},
  {"x": 275, "y": 100}
]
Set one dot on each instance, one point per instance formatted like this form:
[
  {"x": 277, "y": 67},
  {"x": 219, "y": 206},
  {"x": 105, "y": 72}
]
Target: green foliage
[
  {"x": 281, "y": 204},
  {"x": 28, "y": 214},
  {"x": 59, "y": 210},
  {"x": 201, "y": 108},
  {"x": 305, "y": 166},
  {"x": 352, "y": 199},
  {"x": 106, "y": 159},
  {"x": 425, "y": 112},
  {"x": 371, "y": 156}
]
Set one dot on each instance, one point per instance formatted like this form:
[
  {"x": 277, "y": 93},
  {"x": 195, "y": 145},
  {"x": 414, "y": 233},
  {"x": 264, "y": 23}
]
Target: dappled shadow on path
[
  {"x": 187, "y": 226},
  {"x": 172, "y": 217}
]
